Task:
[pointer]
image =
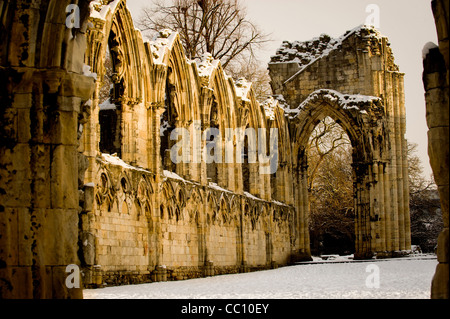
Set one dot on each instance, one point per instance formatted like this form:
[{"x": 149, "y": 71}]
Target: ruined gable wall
[
  {"x": 351, "y": 64},
  {"x": 359, "y": 62}
]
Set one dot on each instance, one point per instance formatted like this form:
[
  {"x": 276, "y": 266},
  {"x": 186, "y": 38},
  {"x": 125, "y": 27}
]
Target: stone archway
[
  {"x": 381, "y": 225},
  {"x": 364, "y": 93}
]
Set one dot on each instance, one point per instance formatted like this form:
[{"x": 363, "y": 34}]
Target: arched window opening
[
  {"x": 167, "y": 125},
  {"x": 212, "y": 144},
  {"x": 161, "y": 211},
  {"x": 331, "y": 190},
  {"x": 109, "y": 94},
  {"x": 246, "y": 165}
]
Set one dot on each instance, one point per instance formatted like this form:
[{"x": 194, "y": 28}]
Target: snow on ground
[{"x": 406, "y": 278}]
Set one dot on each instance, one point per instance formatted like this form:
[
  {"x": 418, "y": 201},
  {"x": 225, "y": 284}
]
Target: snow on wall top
[
  {"x": 206, "y": 65},
  {"x": 160, "y": 43},
  {"x": 355, "y": 102},
  {"x": 269, "y": 106},
  {"x": 243, "y": 87},
  {"x": 426, "y": 49},
  {"x": 99, "y": 10},
  {"x": 115, "y": 160},
  {"x": 307, "y": 52}
]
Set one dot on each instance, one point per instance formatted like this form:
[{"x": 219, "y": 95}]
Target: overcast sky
[{"x": 408, "y": 24}]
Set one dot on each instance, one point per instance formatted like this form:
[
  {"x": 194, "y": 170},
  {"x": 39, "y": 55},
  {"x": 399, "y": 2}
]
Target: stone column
[
  {"x": 436, "y": 84},
  {"x": 375, "y": 209},
  {"x": 39, "y": 181},
  {"x": 381, "y": 203},
  {"x": 158, "y": 109},
  {"x": 203, "y": 164},
  {"x": 387, "y": 208},
  {"x": 241, "y": 220},
  {"x": 195, "y": 131},
  {"x": 300, "y": 227}
]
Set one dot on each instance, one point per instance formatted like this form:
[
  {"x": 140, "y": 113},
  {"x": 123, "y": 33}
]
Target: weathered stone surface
[
  {"x": 442, "y": 252},
  {"x": 38, "y": 151},
  {"x": 436, "y": 84},
  {"x": 345, "y": 79},
  {"x": 440, "y": 283},
  {"x": 439, "y": 154}
]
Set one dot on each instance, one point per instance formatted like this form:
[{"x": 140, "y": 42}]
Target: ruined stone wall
[
  {"x": 42, "y": 93},
  {"x": 356, "y": 67},
  {"x": 196, "y": 232},
  {"x": 146, "y": 217},
  {"x": 354, "y": 63}
]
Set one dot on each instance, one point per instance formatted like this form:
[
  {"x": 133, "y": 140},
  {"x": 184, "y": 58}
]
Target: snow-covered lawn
[{"x": 408, "y": 278}]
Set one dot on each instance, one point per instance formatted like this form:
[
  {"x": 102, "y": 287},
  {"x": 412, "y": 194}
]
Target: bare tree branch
[{"x": 219, "y": 27}]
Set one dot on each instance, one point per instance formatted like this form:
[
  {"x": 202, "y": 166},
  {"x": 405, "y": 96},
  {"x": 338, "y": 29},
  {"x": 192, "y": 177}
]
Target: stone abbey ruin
[{"x": 93, "y": 184}]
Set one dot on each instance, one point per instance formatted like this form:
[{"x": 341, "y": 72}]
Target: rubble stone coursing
[{"x": 128, "y": 214}]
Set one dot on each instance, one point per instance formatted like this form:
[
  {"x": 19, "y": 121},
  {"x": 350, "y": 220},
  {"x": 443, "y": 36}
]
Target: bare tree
[
  {"x": 417, "y": 182},
  {"x": 426, "y": 217},
  {"x": 327, "y": 137},
  {"x": 331, "y": 189},
  {"x": 219, "y": 27},
  {"x": 331, "y": 194},
  {"x": 253, "y": 71},
  {"x": 107, "y": 81}
]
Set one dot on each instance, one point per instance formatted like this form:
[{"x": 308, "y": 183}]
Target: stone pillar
[
  {"x": 158, "y": 109},
  {"x": 375, "y": 209},
  {"x": 300, "y": 228},
  {"x": 195, "y": 131},
  {"x": 209, "y": 269},
  {"x": 305, "y": 248},
  {"x": 159, "y": 274},
  {"x": 387, "y": 208},
  {"x": 39, "y": 181},
  {"x": 255, "y": 183},
  {"x": 91, "y": 138},
  {"x": 203, "y": 164},
  {"x": 436, "y": 84},
  {"x": 381, "y": 203}
]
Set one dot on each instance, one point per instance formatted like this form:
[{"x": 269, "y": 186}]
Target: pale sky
[{"x": 409, "y": 25}]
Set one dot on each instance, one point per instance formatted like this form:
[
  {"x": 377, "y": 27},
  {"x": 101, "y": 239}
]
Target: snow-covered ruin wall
[
  {"x": 350, "y": 64},
  {"x": 146, "y": 218},
  {"x": 354, "y": 80}
]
